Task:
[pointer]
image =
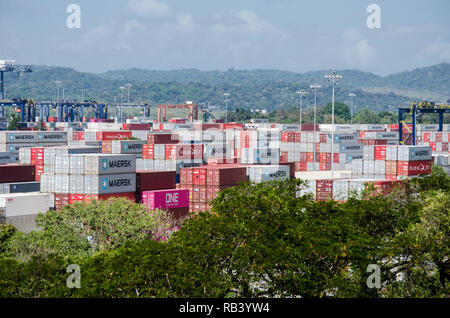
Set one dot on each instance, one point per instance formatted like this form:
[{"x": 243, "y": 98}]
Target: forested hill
[{"x": 270, "y": 89}]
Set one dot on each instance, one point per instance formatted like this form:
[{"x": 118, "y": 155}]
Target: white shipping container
[
  {"x": 48, "y": 182},
  {"x": 62, "y": 164},
  {"x": 392, "y": 153},
  {"x": 62, "y": 183},
  {"x": 267, "y": 173},
  {"x": 17, "y": 204},
  {"x": 414, "y": 153},
  {"x": 76, "y": 183},
  {"x": 109, "y": 164}
]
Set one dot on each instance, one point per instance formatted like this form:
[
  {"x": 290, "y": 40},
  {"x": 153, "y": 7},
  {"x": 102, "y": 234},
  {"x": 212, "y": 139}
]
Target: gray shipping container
[
  {"x": 108, "y": 184},
  {"x": 109, "y": 164},
  {"x": 414, "y": 153},
  {"x": 127, "y": 146},
  {"x": 52, "y": 136},
  {"x": 18, "y": 137}
]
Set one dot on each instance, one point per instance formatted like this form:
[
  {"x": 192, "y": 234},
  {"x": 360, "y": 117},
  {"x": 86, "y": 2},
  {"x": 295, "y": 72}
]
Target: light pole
[
  {"x": 301, "y": 93},
  {"x": 58, "y": 85},
  {"x": 315, "y": 86},
  {"x": 226, "y": 106},
  {"x": 121, "y": 103},
  {"x": 128, "y": 87},
  {"x": 351, "y": 107},
  {"x": 333, "y": 77}
]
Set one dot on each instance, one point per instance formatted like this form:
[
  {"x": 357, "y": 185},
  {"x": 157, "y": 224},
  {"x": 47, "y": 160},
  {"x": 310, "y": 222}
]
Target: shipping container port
[{"x": 180, "y": 166}]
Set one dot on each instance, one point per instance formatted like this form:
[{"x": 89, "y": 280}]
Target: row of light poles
[{"x": 333, "y": 77}]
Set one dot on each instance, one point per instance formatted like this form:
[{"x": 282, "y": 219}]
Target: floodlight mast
[{"x": 333, "y": 77}]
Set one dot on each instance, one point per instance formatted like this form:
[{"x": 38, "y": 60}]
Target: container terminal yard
[{"x": 180, "y": 165}]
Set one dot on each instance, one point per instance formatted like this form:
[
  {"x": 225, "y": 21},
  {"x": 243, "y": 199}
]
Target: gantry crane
[
  {"x": 425, "y": 107},
  {"x": 193, "y": 110},
  {"x": 10, "y": 66}
]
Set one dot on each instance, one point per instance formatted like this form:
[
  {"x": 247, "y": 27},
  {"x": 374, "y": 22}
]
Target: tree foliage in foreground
[
  {"x": 80, "y": 230},
  {"x": 261, "y": 240}
]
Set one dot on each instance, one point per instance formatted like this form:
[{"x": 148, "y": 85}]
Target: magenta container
[{"x": 166, "y": 199}]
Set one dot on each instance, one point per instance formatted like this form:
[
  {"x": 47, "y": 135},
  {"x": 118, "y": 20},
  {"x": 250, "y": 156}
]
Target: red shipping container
[
  {"x": 303, "y": 157},
  {"x": 148, "y": 151},
  {"x": 391, "y": 167},
  {"x": 427, "y": 137},
  {"x": 199, "y": 176},
  {"x": 170, "y": 151},
  {"x": 309, "y": 127},
  {"x": 107, "y": 146},
  {"x": 438, "y": 137},
  {"x": 231, "y": 126},
  {"x": 380, "y": 152},
  {"x": 325, "y": 157},
  {"x": 301, "y": 166},
  {"x": 324, "y": 190},
  {"x": 323, "y": 138},
  {"x": 113, "y": 135},
  {"x": 199, "y": 194},
  {"x": 225, "y": 175},
  {"x": 432, "y": 145},
  {"x": 73, "y": 198},
  {"x": 39, "y": 172},
  {"x": 17, "y": 173},
  {"x": 325, "y": 166},
  {"x": 88, "y": 198},
  {"x": 163, "y": 138},
  {"x": 310, "y": 156},
  {"x": 186, "y": 176},
  {"x": 37, "y": 156},
  {"x": 213, "y": 191},
  {"x": 411, "y": 168},
  {"x": 284, "y": 156},
  {"x": 155, "y": 180},
  {"x": 445, "y": 146},
  {"x": 335, "y": 157},
  {"x": 317, "y": 146},
  {"x": 61, "y": 200},
  {"x": 136, "y": 126}
]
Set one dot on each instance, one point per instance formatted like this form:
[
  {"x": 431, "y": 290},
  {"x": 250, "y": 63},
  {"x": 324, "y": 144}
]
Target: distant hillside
[{"x": 270, "y": 89}]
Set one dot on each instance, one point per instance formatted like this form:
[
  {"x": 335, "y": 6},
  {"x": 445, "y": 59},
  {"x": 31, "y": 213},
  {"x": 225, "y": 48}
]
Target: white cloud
[
  {"x": 365, "y": 53},
  {"x": 149, "y": 9},
  {"x": 251, "y": 19},
  {"x": 438, "y": 49},
  {"x": 185, "y": 22},
  {"x": 129, "y": 27}
]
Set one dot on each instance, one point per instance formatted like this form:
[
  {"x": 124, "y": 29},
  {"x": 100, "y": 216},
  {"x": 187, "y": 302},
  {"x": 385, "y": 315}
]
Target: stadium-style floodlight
[
  {"x": 128, "y": 86},
  {"x": 351, "y": 107},
  {"x": 333, "y": 77},
  {"x": 301, "y": 93},
  {"x": 315, "y": 86},
  {"x": 226, "y": 106}
]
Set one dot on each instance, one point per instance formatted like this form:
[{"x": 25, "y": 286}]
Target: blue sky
[{"x": 291, "y": 35}]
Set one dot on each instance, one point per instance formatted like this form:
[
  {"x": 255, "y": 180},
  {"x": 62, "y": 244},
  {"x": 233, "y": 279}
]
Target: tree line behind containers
[
  {"x": 13, "y": 141},
  {"x": 393, "y": 162}
]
